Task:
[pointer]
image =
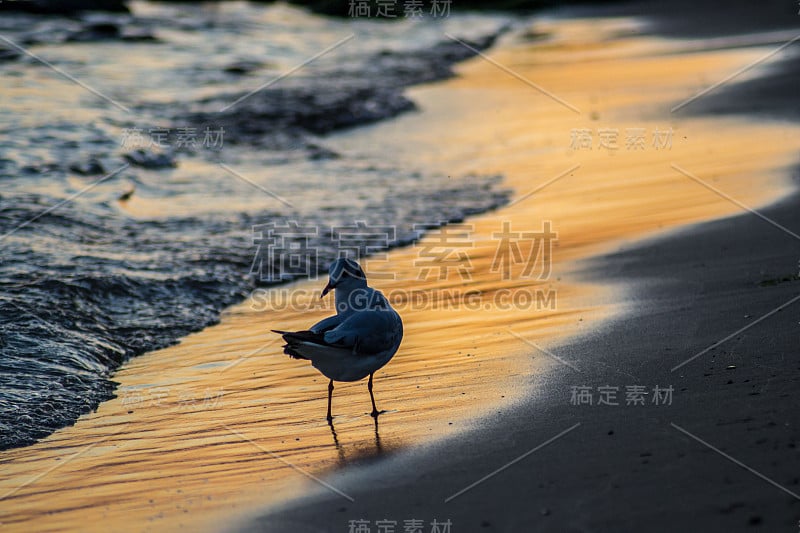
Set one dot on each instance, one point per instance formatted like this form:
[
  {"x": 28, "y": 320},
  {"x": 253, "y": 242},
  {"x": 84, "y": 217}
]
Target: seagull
[{"x": 358, "y": 340}]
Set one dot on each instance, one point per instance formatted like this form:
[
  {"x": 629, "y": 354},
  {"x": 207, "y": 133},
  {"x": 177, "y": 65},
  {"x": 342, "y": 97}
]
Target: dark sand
[{"x": 632, "y": 468}]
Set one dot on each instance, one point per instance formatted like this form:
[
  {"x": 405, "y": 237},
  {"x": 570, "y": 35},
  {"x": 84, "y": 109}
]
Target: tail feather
[{"x": 307, "y": 341}]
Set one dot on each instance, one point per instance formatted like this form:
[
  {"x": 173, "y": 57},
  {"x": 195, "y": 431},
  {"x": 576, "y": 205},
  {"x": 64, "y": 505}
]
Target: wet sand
[{"x": 208, "y": 431}]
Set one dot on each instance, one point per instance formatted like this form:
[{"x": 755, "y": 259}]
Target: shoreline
[
  {"x": 238, "y": 463},
  {"x": 177, "y": 200}
]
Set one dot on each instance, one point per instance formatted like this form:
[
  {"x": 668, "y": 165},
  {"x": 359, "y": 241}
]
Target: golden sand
[{"x": 205, "y": 431}]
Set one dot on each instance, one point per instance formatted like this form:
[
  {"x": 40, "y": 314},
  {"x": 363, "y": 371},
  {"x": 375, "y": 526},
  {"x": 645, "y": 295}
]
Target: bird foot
[{"x": 375, "y": 413}]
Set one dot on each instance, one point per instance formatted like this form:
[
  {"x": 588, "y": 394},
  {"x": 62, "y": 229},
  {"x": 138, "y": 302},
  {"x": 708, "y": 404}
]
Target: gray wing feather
[
  {"x": 369, "y": 332},
  {"x": 326, "y": 324}
]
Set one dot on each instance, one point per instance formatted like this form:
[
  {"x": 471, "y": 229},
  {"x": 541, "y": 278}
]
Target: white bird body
[{"x": 358, "y": 340}]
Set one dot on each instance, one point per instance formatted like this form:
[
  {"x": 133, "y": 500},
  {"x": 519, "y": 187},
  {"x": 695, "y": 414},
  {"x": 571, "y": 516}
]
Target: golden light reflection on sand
[{"x": 224, "y": 422}]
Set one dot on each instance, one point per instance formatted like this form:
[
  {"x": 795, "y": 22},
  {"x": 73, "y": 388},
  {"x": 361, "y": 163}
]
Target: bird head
[{"x": 344, "y": 272}]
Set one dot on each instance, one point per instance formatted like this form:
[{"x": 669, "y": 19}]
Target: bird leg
[
  {"x": 375, "y": 411},
  {"x": 330, "y": 393}
]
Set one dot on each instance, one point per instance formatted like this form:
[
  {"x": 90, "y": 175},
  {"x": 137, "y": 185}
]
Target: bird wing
[
  {"x": 326, "y": 324},
  {"x": 367, "y": 332}
]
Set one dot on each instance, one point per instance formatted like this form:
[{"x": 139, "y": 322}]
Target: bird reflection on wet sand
[{"x": 360, "y": 454}]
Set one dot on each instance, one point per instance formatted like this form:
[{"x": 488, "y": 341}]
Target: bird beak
[{"x": 326, "y": 290}]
